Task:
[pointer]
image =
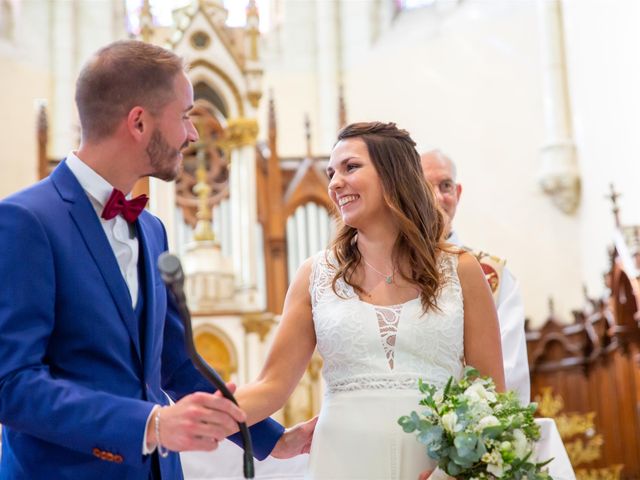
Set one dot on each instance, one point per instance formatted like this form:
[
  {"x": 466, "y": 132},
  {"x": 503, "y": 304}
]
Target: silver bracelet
[{"x": 163, "y": 452}]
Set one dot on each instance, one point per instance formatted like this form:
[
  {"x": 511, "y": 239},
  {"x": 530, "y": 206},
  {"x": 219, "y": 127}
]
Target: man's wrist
[{"x": 150, "y": 444}]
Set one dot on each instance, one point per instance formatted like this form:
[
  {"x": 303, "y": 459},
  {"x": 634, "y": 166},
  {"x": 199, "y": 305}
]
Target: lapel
[
  {"x": 144, "y": 233},
  {"x": 88, "y": 224}
]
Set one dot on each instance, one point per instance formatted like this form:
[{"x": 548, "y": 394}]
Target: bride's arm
[
  {"x": 482, "y": 347},
  {"x": 289, "y": 355}
]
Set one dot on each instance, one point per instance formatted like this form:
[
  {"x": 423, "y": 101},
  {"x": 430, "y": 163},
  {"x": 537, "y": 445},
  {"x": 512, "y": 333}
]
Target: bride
[{"x": 388, "y": 304}]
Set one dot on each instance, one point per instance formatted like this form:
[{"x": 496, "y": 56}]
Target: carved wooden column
[{"x": 275, "y": 233}]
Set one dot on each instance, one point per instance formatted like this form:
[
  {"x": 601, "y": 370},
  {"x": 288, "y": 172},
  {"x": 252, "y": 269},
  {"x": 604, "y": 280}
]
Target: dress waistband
[{"x": 374, "y": 382}]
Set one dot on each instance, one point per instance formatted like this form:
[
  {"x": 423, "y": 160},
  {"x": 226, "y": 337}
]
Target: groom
[{"x": 91, "y": 344}]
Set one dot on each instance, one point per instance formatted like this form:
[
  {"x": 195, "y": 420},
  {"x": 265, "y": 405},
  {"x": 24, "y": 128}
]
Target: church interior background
[{"x": 536, "y": 101}]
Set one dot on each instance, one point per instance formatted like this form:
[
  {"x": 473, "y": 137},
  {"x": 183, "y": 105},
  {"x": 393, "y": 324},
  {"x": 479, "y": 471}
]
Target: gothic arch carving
[{"x": 215, "y": 77}]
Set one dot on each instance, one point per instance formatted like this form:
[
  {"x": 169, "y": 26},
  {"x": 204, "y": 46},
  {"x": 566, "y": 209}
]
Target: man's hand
[
  {"x": 295, "y": 440},
  {"x": 196, "y": 422}
]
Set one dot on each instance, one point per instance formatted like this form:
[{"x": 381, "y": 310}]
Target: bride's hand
[
  {"x": 425, "y": 475},
  {"x": 436, "y": 474},
  {"x": 295, "y": 440}
]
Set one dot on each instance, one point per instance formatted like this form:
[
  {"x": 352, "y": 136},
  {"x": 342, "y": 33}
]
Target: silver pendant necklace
[{"x": 388, "y": 279}]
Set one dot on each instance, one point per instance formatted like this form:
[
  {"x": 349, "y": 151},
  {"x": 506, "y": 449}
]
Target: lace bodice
[{"x": 365, "y": 346}]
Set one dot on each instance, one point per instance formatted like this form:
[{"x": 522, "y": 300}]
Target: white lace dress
[{"x": 373, "y": 357}]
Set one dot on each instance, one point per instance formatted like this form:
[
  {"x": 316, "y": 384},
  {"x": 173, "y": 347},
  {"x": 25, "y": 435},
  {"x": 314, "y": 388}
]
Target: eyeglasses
[{"x": 446, "y": 187}]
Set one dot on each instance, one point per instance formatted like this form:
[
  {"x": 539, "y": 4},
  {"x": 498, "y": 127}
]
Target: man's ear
[
  {"x": 137, "y": 122},
  {"x": 458, "y": 191}
]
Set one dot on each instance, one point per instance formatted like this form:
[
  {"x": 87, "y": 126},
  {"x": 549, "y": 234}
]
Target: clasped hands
[{"x": 200, "y": 421}]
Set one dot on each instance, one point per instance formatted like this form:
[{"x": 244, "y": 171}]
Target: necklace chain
[{"x": 388, "y": 279}]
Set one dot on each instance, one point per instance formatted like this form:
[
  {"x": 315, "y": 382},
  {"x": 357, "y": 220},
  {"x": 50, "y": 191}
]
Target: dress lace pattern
[
  {"x": 388, "y": 318},
  {"x": 365, "y": 346}
]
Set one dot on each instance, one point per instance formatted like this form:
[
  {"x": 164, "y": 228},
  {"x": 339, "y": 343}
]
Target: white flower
[
  {"x": 494, "y": 463},
  {"x": 478, "y": 410},
  {"x": 488, "y": 421},
  {"x": 438, "y": 396},
  {"x": 477, "y": 393},
  {"x": 449, "y": 421},
  {"x": 520, "y": 443},
  {"x": 495, "y": 469}
]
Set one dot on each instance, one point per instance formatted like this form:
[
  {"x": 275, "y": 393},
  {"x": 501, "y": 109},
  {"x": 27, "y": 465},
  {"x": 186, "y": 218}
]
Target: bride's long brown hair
[{"x": 413, "y": 206}]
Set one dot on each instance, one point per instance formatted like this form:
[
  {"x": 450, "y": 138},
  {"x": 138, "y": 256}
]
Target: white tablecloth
[
  {"x": 550, "y": 445},
  {"x": 226, "y": 462}
]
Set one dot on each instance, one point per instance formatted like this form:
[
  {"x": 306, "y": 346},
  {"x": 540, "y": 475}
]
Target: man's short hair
[{"x": 120, "y": 76}]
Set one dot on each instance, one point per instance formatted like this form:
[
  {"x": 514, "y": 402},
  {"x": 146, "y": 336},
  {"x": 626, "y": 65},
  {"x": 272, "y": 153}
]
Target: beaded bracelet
[{"x": 163, "y": 452}]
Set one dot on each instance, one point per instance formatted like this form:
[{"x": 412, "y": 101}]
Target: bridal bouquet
[{"x": 476, "y": 433}]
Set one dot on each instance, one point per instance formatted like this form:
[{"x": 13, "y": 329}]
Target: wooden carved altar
[{"x": 587, "y": 376}]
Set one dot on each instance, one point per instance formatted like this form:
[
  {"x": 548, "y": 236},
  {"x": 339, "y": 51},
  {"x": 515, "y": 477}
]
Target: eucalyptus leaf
[
  {"x": 407, "y": 424},
  {"x": 460, "y": 460},
  {"x": 431, "y": 435},
  {"x": 453, "y": 469},
  {"x": 493, "y": 432},
  {"x": 467, "y": 449}
]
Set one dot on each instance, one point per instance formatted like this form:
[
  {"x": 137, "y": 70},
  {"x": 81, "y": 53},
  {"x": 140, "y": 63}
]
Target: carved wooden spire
[
  {"x": 307, "y": 134},
  {"x": 272, "y": 124},
  {"x": 42, "y": 132},
  {"x": 551, "y": 307},
  {"x": 253, "y": 29},
  {"x": 146, "y": 22},
  {"x": 342, "y": 109},
  {"x": 613, "y": 196}
]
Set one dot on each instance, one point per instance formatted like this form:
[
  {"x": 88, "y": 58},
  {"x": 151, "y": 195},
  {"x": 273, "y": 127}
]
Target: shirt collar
[{"x": 89, "y": 179}]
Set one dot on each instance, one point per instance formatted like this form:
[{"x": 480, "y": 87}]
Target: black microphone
[{"x": 172, "y": 275}]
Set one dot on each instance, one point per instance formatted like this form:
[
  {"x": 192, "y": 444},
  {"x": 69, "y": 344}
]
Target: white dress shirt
[
  {"x": 121, "y": 235},
  {"x": 514, "y": 343}
]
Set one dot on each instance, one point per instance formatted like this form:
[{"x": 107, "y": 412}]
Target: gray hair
[{"x": 441, "y": 155}]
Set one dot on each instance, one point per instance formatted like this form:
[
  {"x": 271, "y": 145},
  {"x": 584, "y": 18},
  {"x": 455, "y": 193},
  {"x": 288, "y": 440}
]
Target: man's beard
[{"x": 163, "y": 158}]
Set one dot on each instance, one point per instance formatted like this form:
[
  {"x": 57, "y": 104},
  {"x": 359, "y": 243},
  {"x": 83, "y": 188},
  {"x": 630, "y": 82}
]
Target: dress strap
[
  {"x": 448, "y": 265},
  {"x": 321, "y": 280}
]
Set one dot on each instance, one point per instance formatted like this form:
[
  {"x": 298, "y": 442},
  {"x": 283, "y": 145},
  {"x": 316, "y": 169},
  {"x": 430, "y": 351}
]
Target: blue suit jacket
[{"x": 76, "y": 386}]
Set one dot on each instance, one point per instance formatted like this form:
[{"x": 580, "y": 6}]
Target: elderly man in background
[{"x": 440, "y": 172}]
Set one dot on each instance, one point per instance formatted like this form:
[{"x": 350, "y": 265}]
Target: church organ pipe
[
  {"x": 313, "y": 228},
  {"x": 308, "y": 232}
]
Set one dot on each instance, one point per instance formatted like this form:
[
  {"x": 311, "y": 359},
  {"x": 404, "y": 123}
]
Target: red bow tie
[{"x": 129, "y": 209}]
